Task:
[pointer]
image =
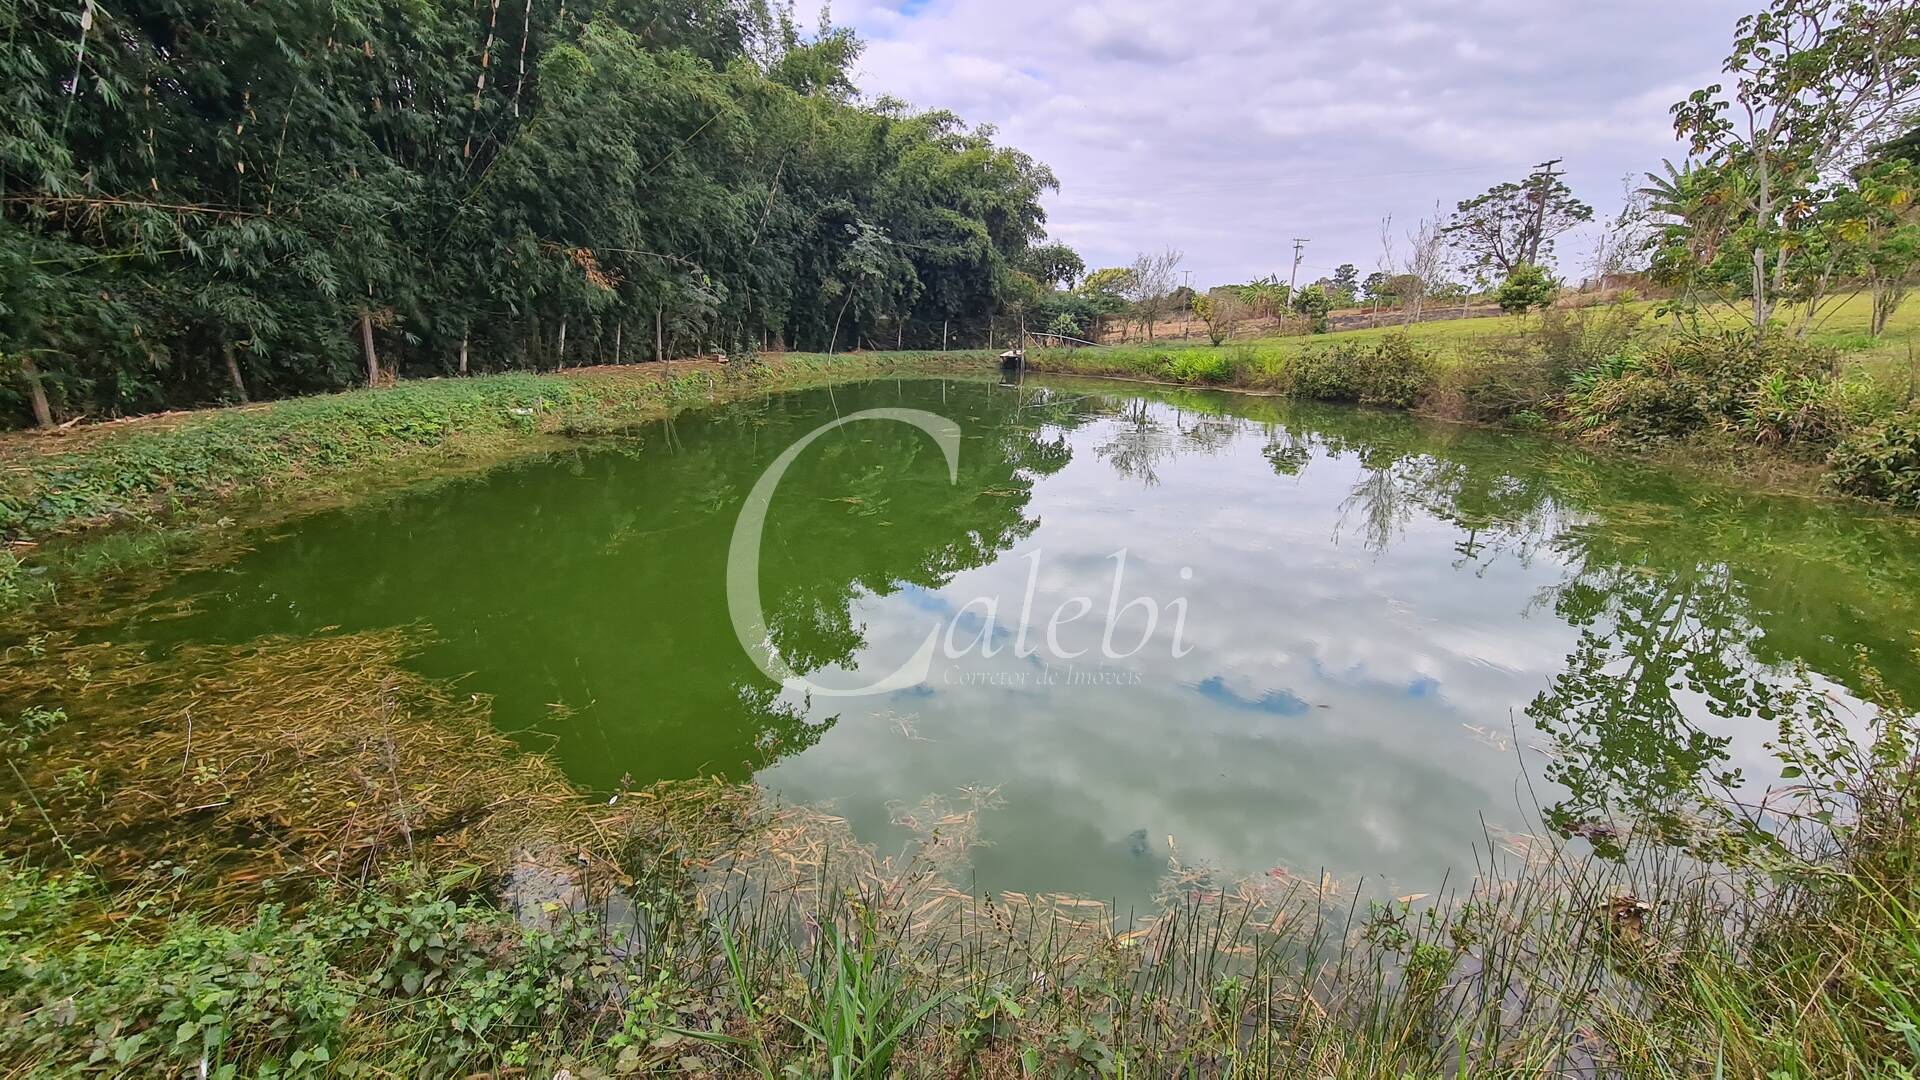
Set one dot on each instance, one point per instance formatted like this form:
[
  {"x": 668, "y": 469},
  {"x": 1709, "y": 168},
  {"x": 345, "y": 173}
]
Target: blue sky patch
[{"x": 1276, "y": 702}]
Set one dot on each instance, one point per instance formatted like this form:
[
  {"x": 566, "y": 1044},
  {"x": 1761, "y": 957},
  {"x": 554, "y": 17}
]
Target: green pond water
[{"x": 1358, "y": 622}]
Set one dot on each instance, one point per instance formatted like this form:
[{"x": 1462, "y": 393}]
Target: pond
[{"x": 1128, "y": 623}]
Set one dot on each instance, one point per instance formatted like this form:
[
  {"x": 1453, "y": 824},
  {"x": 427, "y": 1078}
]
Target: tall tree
[
  {"x": 1346, "y": 278},
  {"x": 1515, "y": 224},
  {"x": 1054, "y": 264},
  {"x": 1150, "y": 283},
  {"x": 226, "y": 198},
  {"x": 1814, "y": 83}
]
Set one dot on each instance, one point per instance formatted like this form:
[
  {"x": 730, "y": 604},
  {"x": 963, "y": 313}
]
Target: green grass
[
  {"x": 1842, "y": 326},
  {"x": 122, "y": 496},
  {"x": 147, "y": 467}
]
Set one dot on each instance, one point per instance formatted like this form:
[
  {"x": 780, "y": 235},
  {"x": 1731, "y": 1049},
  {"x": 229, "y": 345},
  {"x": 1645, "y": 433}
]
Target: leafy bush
[
  {"x": 1781, "y": 408},
  {"x": 1778, "y": 391},
  {"x": 1526, "y": 288},
  {"x": 1499, "y": 388},
  {"x": 1632, "y": 400},
  {"x": 455, "y": 985},
  {"x": 1573, "y": 341},
  {"x": 1194, "y": 365},
  {"x": 1882, "y": 462},
  {"x": 1390, "y": 372}
]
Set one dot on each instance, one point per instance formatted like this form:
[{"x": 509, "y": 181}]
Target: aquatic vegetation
[{"x": 279, "y": 760}]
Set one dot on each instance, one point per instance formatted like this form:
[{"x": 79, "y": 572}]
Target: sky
[{"x": 1227, "y": 128}]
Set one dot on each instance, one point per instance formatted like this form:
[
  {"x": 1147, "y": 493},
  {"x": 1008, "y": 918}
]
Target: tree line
[{"x": 216, "y": 199}]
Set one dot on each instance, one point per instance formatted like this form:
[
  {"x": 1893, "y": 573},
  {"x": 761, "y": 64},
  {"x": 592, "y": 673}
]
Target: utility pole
[
  {"x": 1293, "y": 279},
  {"x": 1543, "y": 175}
]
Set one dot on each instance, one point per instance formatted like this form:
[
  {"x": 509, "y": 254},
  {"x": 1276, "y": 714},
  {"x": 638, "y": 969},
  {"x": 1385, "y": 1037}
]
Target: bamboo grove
[{"x": 214, "y": 200}]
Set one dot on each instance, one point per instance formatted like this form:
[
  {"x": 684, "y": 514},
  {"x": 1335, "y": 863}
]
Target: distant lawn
[{"x": 1843, "y": 326}]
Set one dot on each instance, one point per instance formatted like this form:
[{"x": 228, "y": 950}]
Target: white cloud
[{"x": 1226, "y": 128}]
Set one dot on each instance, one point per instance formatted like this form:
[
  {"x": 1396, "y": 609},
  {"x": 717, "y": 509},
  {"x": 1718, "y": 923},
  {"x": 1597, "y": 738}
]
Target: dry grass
[{"x": 282, "y": 760}]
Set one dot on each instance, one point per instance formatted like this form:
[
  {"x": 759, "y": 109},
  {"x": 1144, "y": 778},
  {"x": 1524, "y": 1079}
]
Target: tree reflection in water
[{"x": 595, "y": 581}]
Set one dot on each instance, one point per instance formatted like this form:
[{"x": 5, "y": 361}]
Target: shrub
[
  {"x": 1246, "y": 358},
  {"x": 1391, "y": 372},
  {"x": 1498, "y": 388},
  {"x": 1881, "y": 462},
  {"x": 1781, "y": 408},
  {"x": 1864, "y": 402},
  {"x": 1573, "y": 341},
  {"x": 1324, "y": 375},
  {"x": 1775, "y": 391},
  {"x": 1195, "y": 365},
  {"x": 1631, "y": 399},
  {"x": 1526, "y": 288},
  {"x": 1313, "y": 302}
]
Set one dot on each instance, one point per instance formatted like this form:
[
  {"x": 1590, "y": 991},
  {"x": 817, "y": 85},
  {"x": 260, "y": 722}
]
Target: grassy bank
[
  {"x": 157, "y": 482},
  {"x": 79, "y": 506},
  {"x": 1841, "y": 327},
  {"x": 1834, "y": 412}
]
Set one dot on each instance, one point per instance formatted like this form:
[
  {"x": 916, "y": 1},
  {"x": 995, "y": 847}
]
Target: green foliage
[
  {"x": 262, "y": 183},
  {"x": 1809, "y": 84},
  {"x": 1346, "y": 281},
  {"x": 1195, "y": 366},
  {"x": 1314, "y": 303},
  {"x": 34, "y": 721},
  {"x": 861, "y": 1005},
  {"x": 1112, "y": 282},
  {"x": 1511, "y": 225},
  {"x": 1391, "y": 372},
  {"x": 1054, "y": 264},
  {"x": 1527, "y": 287},
  {"x": 1376, "y": 287},
  {"x": 456, "y": 985},
  {"x": 1881, "y": 462},
  {"x": 1787, "y": 408},
  {"x": 1264, "y": 298},
  {"x": 1501, "y": 388},
  {"x": 1775, "y": 391},
  {"x": 1573, "y": 341},
  {"x": 1065, "y": 325}
]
